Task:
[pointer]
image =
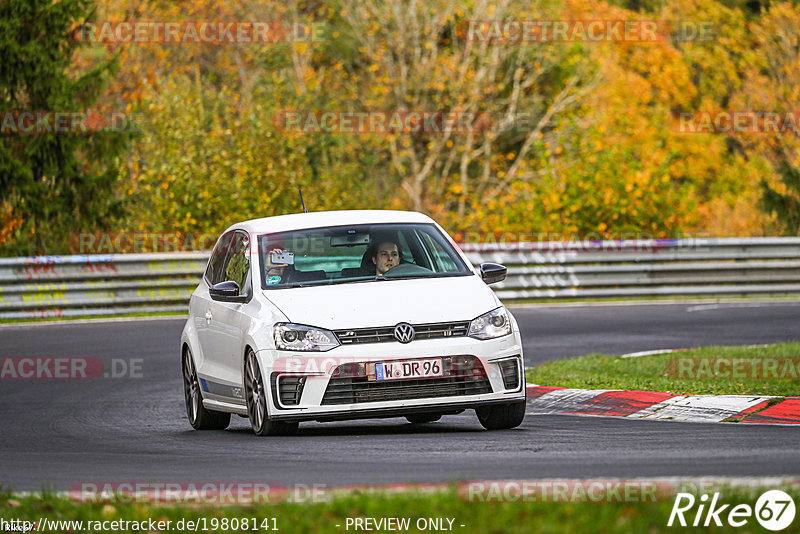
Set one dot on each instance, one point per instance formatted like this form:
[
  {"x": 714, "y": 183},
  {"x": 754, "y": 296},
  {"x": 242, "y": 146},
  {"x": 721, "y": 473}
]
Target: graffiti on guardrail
[
  {"x": 102, "y": 268},
  {"x": 553, "y": 257},
  {"x": 172, "y": 266},
  {"x": 53, "y": 267},
  {"x": 568, "y": 279},
  {"x": 39, "y": 271},
  {"x": 51, "y": 297},
  {"x": 163, "y": 292},
  {"x": 46, "y": 314}
]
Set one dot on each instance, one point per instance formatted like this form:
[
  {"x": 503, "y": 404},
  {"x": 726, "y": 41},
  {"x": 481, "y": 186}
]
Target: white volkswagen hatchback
[{"x": 344, "y": 315}]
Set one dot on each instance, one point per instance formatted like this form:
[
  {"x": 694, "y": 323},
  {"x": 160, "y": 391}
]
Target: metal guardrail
[
  {"x": 64, "y": 286},
  {"x": 648, "y": 268},
  {"x": 111, "y": 284}
]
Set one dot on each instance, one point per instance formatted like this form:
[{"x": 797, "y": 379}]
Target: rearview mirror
[
  {"x": 227, "y": 291},
  {"x": 492, "y": 273}
]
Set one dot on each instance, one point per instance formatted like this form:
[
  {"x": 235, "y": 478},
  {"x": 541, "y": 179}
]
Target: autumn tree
[
  {"x": 51, "y": 184},
  {"x": 570, "y": 137},
  {"x": 771, "y": 85}
]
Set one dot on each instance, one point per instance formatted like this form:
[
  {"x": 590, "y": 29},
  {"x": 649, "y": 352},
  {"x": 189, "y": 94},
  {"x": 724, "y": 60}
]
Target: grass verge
[
  {"x": 332, "y": 516},
  {"x": 770, "y": 370}
]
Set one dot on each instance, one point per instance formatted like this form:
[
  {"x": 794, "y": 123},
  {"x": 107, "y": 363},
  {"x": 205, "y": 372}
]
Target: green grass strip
[
  {"x": 331, "y": 517},
  {"x": 772, "y": 370}
]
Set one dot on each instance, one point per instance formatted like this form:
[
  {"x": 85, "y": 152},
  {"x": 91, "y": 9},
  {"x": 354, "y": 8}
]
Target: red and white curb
[{"x": 548, "y": 400}]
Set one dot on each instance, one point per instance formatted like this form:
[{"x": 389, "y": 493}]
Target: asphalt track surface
[{"x": 57, "y": 433}]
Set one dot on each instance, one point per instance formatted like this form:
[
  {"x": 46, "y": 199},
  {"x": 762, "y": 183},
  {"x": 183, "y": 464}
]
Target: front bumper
[
  {"x": 376, "y": 413},
  {"x": 316, "y": 371}
]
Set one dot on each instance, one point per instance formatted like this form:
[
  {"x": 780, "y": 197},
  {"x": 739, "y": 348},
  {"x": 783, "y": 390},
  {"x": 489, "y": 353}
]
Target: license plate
[{"x": 408, "y": 369}]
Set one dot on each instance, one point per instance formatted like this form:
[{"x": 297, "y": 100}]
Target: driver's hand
[{"x": 271, "y": 265}]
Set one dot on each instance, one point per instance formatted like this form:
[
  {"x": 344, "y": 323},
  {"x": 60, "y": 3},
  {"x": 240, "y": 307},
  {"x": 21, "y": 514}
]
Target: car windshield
[{"x": 344, "y": 254}]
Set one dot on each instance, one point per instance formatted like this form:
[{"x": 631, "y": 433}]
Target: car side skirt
[{"x": 219, "y": 406}]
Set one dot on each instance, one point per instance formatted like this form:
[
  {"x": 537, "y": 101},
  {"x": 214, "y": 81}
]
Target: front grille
[
  {"x": 463, "y": 375},
  {"x": 383, "y": 334},
  {"x": 288, "y": 388},
  {"x": 510, "y": 372}
]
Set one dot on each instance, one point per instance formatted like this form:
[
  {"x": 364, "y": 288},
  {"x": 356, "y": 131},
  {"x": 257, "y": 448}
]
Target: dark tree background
[
  {"x": 785, "y": 206},
  {"x": 56, "y": 183}
]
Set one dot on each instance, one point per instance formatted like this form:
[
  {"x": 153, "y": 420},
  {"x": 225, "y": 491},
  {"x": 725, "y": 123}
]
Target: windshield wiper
[
  {"x": 425, "y": 275},
  {"x": 290, "y": 284},
  {"x": 320, "y": 283}
]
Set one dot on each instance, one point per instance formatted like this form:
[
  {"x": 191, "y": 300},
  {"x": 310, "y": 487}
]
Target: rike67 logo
[{"x": 774, "y": 510}]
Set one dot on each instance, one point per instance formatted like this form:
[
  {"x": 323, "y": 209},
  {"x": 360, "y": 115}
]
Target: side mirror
[
  {"x": 227, "y": 291},
  {"x": 491, "y": 273}
]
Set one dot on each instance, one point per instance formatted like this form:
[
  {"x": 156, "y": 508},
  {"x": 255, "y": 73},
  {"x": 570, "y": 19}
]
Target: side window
[
  {"x": 442, "y": 259},
  {"x": 214, "y": 271},
  {"x": 238, "y": 261},
  {"x": 408, "y": 256}
]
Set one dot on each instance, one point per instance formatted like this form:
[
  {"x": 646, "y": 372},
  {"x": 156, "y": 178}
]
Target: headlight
[
  {"x": 290, "y": 336},
  {"x": 490, "y": 325}
]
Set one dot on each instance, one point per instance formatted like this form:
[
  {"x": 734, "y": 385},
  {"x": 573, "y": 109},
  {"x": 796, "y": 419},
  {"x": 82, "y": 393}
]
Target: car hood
[{"x": 386, "y": 302}]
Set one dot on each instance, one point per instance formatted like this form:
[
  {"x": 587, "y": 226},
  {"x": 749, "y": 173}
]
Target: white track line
[
  {"x": 650, "y": 353},
  {"x": 724, "y": 305}
]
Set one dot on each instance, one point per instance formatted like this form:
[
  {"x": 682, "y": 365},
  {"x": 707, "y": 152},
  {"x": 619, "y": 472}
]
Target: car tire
[
  {"x": 422, "y": 418},
  {"x": 255, "y": 393},
  {"x": 501, "y": 416},
  {"x": 199, "y": 417}
]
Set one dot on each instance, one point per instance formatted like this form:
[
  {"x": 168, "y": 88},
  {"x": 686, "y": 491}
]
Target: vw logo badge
[{"x": 404, "y": 332}]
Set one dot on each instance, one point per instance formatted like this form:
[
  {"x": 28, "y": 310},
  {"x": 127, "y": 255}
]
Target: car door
[
  {"x": 209, "y": 363},
  {"x": 225, "y": 320}
]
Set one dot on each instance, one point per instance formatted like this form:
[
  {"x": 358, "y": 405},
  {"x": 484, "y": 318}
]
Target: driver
[{"x": 386, "y": 256}]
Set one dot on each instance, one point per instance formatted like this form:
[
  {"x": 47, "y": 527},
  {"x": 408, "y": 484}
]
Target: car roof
[{"x": 320, "y": 219}]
